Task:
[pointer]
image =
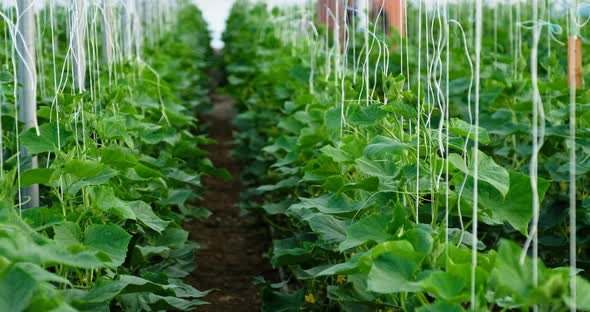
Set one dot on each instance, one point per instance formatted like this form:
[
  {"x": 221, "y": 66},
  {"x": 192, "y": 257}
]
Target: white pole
[
  {"x": 107, "y": 38},
  {"x": 78, "y": 33},
  {"x": 126, "y": 29},
  {"x": 27, "y": 76}
]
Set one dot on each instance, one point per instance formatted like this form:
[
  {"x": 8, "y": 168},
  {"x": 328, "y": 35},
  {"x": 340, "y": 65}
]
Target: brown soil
[{"x": 234, "y": 245}]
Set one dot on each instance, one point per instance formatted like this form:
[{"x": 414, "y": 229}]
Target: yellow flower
[
  {"x": 340, "y": 279},
  {"x": 563, "y": 186},
  {"x": 309, "y": 298},
  {"x": 390, "y": 310}
]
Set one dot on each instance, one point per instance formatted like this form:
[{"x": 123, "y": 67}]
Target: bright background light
[{"x": 216, "y": 12}]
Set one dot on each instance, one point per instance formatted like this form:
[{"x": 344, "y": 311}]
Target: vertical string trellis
[
  {"x": 475, "y": 155},
  {"x": 27, "y": 24},
  {"x": 572, "y": 70}
]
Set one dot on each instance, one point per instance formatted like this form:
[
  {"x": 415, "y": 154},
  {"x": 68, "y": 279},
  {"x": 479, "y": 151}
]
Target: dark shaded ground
[{"x": 234, "y": 244}]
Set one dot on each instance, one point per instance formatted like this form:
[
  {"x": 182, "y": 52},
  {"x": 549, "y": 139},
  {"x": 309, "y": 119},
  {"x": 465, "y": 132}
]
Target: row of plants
[
  {"x": 119, "y": 171},
  {"x": 365, "y": 216}
]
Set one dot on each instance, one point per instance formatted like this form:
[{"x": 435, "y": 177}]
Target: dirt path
[{"x": 234, "y": 245}]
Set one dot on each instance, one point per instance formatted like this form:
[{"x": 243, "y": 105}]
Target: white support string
[
  {"x": 475, "y": 155},
  {"x": 533, "y": 167},
  {"x": 419, "y": 112}
]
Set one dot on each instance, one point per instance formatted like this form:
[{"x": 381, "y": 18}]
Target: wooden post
[
  {"x": 575, "y": 62},
  {"x": 331, "y": 13},
  {"x": 27, "y": 77},
  {"x": 395, "y": 13}
]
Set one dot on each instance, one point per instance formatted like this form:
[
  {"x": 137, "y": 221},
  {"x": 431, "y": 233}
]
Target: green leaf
[
  {"x": 110, "y": 239},
  {"x": 331, "y": 204},
  {"x": 83, "y": 168},
  {"x": 114, "y": 128},
  {"x": 488, "y": 171},
  {"x": 46, "y": 141},
  {"x": 392, "y": 273},
  {"x": 441, "y": 307},
  {"x": 140, "y": 302},
  {"x": 36, "y": 176},
  {"x": 384, "y": 145},
  {"x": 104, "y": 199},
  {"x": 336, "y": 154},
  {"x": 377, "y": 168},
  {"x": 67, "y": 233},
  {"x": 328, "y": 228},
  {"x": 421, "y": 240},
  {"x": 466, "y": 130},
  {"x": 87, "y": 173},
  {"x": 446, "y": 286},
  {"x": 277, "y": 301},
  {"x": 16, "y": 289},
  {"x": 402, "y": 109},
  {"x": 512, "y": 278},
  {"x": 42, "y": 217},
  {"x": 147, "y": 217},
  {"x": 291, "y": 250},
  {"x": 286, "y": 183},
  {"x": 516, "y": 207},
  {"x": 351, "y": 266},
  {"x": 365, "y": 116},
  {"x": 582, "y": 299},
  {"x": 369, "y": 229},
  {"x": 42, "y": 275}
]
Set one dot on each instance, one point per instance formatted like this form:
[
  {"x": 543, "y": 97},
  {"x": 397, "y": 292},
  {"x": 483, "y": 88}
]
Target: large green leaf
[
  {"x": 488, "y": 171},
  {"x": 36, "y": 176},
  {"x": 147, "y": 217},
  {"x": 331, "y": 204},
  {"x": 370, "y": 229},
  {"x": 464, "y": 129},
  {"x": 110, "y": 239},
  {"x": 16, "y": 289},
  {"x": 377, "y": 168},
  {"x": 104, "y": 199},
  {"x": 441, "y": 307},
  {"x": 365, "y": 116},
  {"x": 328, "y": 228},
  {"x": 114, "y": 127},
  {"x": 336, "y": 154},
  {"x": 46, "y": 141},
  {"x": 516, "y": 207},
  {"x": 392, "y": 273},
  {"x": 85, "y": 172},
  {"x": 67, "y": 233},
  {"x": 384, "y": 145},
  {"x": 446, "y": 286}
]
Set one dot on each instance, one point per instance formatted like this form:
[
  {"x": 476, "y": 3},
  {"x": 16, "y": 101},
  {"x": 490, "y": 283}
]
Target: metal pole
[
  {"x": 27, "y": 76},
  {"x": 78, "y": 52},
  {"x": 107, "y": 38},
  {"x": 126, "y": 27}
]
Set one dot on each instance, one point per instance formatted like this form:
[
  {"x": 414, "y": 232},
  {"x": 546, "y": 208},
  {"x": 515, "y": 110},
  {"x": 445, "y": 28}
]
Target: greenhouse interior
[{"x": 312, "y": 155}]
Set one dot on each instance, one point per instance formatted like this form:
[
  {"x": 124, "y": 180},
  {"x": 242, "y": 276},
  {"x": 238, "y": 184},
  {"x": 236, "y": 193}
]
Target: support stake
[
  {"x": 395, "y": 11},
  {"x": 575, "y": 62},
  {"x": 331, "y": 13},
  {"x": 78, "y": 51},
  {"x": 27, "y": 76},
  {"x": 107, "y": 32}
]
